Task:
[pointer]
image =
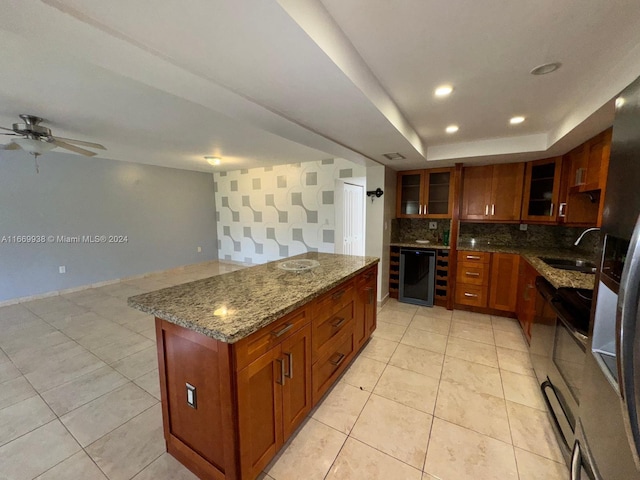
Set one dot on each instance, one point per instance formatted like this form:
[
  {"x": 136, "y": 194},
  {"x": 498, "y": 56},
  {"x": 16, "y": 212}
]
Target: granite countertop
[
  {"x": 556, "y": 276},
  {"x": 232, "y": 306},
  {"x": 432, "y": 246}
]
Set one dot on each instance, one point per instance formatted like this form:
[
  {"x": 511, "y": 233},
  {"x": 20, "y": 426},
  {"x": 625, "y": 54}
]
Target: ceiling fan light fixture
[
  {"x": 214, "y": 161},
  {"x": 546, "y": 68},
  {"x": 34, "y": 147}
]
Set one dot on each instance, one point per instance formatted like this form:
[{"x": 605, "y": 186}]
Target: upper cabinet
[
  {"x": 425, "y": 193},
  {"x": 542, "y": 190},
  {"x": 585, "y": 179},
  {"x": 492, "y": 192}
]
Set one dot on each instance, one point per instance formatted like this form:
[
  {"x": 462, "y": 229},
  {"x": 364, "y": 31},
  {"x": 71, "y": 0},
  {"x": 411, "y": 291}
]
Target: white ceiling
[{"x": 263, "y": 82}]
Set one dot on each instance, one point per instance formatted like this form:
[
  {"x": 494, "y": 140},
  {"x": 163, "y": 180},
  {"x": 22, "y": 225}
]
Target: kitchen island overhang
[{"x": 244, "y": 356}]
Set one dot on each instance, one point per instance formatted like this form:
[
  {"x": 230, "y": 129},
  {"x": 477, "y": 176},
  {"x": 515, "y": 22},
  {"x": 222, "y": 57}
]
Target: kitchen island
[{"x": 243, "y": 357}]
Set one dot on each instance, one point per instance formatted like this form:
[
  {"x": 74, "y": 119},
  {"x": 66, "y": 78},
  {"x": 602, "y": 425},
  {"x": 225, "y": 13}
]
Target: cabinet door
[
  {"x": 503, "y": 287},
  {"x": 506, "y": 192},
  {"x": 526, "y": 305},
  {"x": 366, "y": 306},
  {"x": 260, "y": 412},
  {"x": 438, "y": 196},
  {"x": 410, "y": 200},
  {"x": 541, "y": 190},
  {"x": 296, "y": 388},
  {"x": 476, "y": 192}
]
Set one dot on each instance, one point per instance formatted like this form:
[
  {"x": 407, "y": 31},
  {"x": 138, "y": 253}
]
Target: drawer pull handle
[
  {"x": 338, "y": 295},
  {"x": 472, "y": 295},
  {"x": 341, "y": 357},
  {"x": 472, "y": 274},
  {"x": 473, "y": 257},
  {"x": 486, "y": 210},
  {"x": 283, "y": 330},
  {"x": 289, "y": 374},
  {"x": 339, "y": 323},
  {"x": 282, "y": 375}
]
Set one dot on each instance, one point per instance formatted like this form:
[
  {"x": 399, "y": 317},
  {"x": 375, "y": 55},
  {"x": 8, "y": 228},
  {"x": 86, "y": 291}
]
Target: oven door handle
[{"x": 564, "y": 446}]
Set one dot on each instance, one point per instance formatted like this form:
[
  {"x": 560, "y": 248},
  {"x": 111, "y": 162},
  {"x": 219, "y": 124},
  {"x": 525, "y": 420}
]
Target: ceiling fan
[{"x": 37, "y": 140}]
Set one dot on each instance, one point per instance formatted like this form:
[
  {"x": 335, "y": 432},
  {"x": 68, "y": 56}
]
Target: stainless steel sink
[{"x": 583, "y": 266}]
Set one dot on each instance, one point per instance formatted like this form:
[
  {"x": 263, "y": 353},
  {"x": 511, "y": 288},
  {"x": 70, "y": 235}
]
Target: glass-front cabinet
[
  {"x": 541, "y": 190},
  {"x": 425, "y": 193}
]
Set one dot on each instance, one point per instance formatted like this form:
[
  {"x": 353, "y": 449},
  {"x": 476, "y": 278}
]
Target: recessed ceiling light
[
  {"x": 213, "y": 160},
  {"x": 451, "y": 129},
  {"x": 443, "y": 90},
  {"x": 619, "y": 102},
  {"x": 546, "y": 68},
  {"x": 516, "y": 120}
]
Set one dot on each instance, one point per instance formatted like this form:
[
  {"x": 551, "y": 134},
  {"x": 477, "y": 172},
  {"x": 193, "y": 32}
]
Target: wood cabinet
[
  {"x": 248, "y": 398},
  {"x": 492, "y": 192},
  {"x": 472, "y": 280},
  {"x": 526, "y": 302},
  {"x": 503, "y": 287},
  {"x": 542, "y": 191},
  {"x": 487, "y": 280},
  {"x": 584, "y": 182},
  {"x": 366, "y": 306},
  {"x": 425, "y": 193},
  {"x": 274, "y": 396}
]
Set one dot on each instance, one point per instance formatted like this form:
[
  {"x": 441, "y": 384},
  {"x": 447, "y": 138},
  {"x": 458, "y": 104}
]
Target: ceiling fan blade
[
  {"x": 80, "y": 142},
  {"x": 10, "y": 146},
  {"x": 73, "y": 148},
  {"x": 7, "y": 129}
]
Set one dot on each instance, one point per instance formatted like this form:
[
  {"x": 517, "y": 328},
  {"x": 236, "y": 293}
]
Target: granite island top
[
  {"x": 556, "y": 276},
  {"x": 232, "y": 306}
]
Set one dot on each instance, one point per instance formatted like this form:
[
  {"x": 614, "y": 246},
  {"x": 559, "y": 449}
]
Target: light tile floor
[{"x": 434, "y": 395}]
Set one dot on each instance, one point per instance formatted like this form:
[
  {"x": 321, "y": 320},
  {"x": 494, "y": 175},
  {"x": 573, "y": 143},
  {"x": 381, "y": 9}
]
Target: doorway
[{"x": 350, "y": 215}]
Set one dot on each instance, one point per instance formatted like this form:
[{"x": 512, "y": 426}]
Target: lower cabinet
[
  {"x": 274, "y": 396},
  {"x": 503, "y": 288},
  {"x": 366, "y": 287},
  {"x": 526, "y": 303},
  {"x": 487, "y": 280},
  {"x": 472, "y": 279},
  {"x": 228, "y": 408}
]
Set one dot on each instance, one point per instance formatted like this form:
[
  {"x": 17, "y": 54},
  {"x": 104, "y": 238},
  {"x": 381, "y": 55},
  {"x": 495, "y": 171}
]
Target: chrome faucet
[{"x": 592, "y": 229}]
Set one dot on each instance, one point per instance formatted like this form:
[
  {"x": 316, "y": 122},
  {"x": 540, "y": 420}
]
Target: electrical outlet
[
  {"x": 62, "y": 269},
  {"x": 199, "y": 249},
  {"x": 523, "y": 227},
  {"x": 433, "y": 225}
]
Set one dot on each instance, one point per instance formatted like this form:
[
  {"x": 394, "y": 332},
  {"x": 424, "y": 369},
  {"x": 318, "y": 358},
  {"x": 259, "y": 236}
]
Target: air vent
[{"x": 393, "y": 156}]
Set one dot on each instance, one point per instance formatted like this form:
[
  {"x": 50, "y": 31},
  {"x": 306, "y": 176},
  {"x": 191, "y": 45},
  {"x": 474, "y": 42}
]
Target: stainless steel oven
[{"x": 558, "y": 353}]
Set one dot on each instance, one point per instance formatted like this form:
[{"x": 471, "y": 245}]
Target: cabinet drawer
[
  {"x": 335, "y": 300},
  {"x": 260, "y": 342},
  {"x": 473, "y": 273},
  {"x": 474, "y": 257},
  {"x": 332, "y": 363},
  {"x": 473, "y": 295},
  {"x": 368, "y": 276},
  {"x": 326, "y": 328}
]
